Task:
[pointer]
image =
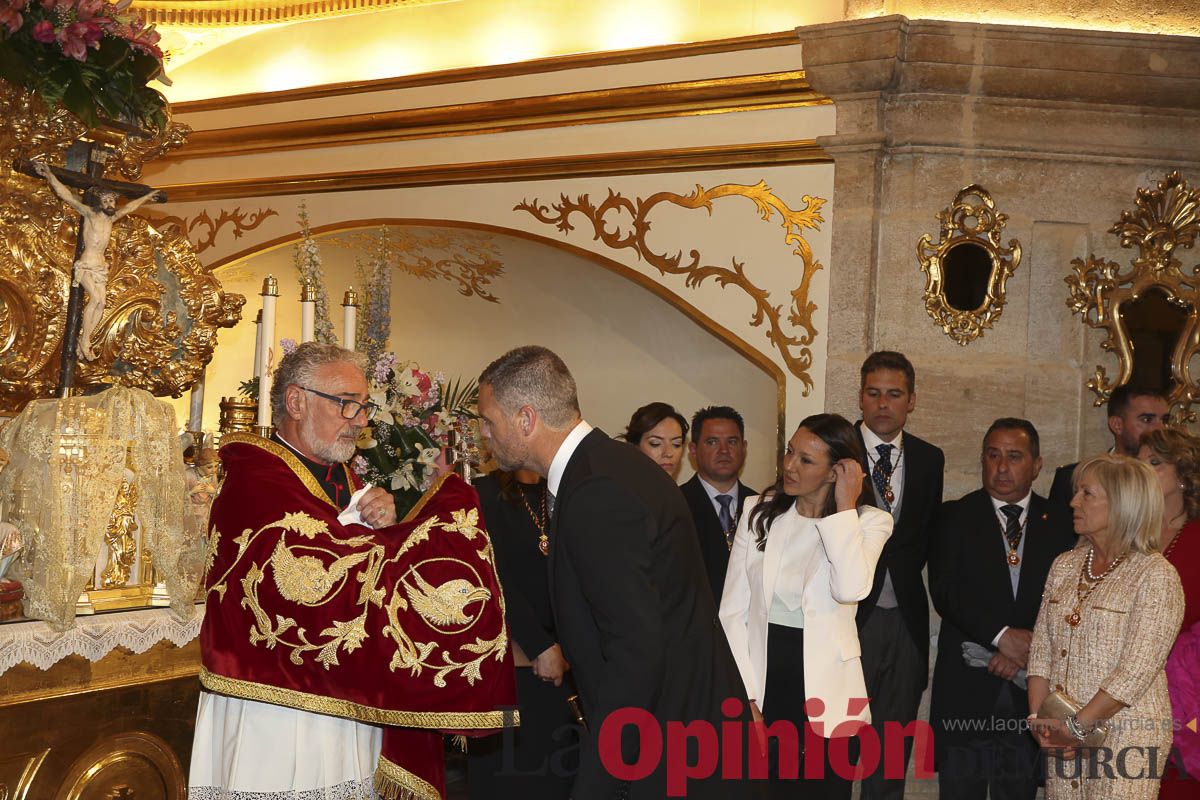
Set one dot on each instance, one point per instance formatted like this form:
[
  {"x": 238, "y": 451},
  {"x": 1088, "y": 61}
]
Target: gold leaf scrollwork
[
  {"x": 191, "y": 227},
  {"x": 465, "y": 259},
  {"x": 1100, "y": 291},
  {"x": 792, "y": 344},
  {"x": 970, "y": 226}
]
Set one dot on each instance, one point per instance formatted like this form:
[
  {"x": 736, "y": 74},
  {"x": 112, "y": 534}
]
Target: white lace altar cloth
[{"x": 94, "y": 637}]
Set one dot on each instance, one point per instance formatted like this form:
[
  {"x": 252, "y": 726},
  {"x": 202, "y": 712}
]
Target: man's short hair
[
  {"x": 534, "y": 376},
  {"x": 299, "y": 367},
  {"x": 888, "y": 359},
  {"x": 1017, "y": 424},
  {"x": 716, "y": 412},
  {"x": 1122, "y": 396}
]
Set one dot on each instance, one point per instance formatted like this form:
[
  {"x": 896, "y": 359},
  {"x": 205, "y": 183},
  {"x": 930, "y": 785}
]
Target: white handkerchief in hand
[{"x": 352, "y": 516}]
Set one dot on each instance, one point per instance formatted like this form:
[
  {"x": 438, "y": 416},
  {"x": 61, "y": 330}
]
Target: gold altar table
[{"x": 104, "y": 711}]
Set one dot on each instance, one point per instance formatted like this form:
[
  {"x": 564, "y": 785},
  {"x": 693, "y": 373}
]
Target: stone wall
[{"x": 1061, "y": 127}]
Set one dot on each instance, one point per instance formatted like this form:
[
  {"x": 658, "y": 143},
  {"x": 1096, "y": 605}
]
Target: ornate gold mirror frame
[
  {"x": 967, "y": 268},
  {"x": 1165, "y": 220}
]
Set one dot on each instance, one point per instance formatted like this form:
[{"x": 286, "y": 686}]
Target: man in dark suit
[
  {"x": 1132, "y": 412},
  {"x": 991, "y": 556},
  {"x": 905, "y": 480},
  {"x": 627, "y": 584},
  {"x": 714, "y": 494}
]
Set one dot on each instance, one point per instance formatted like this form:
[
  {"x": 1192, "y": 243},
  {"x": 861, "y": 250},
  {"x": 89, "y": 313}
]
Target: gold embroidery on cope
[{"x": 309, "y": 575}]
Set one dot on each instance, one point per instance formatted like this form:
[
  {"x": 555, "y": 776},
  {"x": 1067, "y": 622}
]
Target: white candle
[
  {"x": 196, "y": 415},
  {"x": 308, "y": 312},
  {"x": 270, "y": 294},
  {"x": 257, "y": 344},
  {"x": 349, "y": 318}
]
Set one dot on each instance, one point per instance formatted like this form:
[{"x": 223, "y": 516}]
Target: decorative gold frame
[
  {"x": 1165, "y": 220},
  {"x": 957, "y": 229}
]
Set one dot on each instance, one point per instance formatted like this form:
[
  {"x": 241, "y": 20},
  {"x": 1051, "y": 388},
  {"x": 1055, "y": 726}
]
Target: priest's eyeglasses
[{"x": 350, "y": 408}]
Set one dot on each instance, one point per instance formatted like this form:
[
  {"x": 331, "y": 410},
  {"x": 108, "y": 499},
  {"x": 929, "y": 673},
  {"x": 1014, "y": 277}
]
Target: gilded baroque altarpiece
[{"x": 163, "y": 308}]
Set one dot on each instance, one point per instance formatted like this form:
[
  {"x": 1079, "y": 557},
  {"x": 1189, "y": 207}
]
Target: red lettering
[
  {"x": 894, "y": 735},
  {"x": 650, "y": 744},
  {"x": 678, "y": 768},
  {"x": 784, "y": 732},
  {"x": 731, "y": 739}
]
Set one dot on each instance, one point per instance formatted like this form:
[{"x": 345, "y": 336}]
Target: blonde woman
[{"x": 1109, "y": 615}]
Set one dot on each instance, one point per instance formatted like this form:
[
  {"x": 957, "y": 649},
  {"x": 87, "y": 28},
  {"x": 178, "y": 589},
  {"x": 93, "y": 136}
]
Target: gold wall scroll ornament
[
  {"x": 159, "y": 326},
  {"x": 1151, "y": 311},
  {"x": 620, "y": 223},
  {"x": 967, "y": 268},
  {"x": 206, "y": 236},
  {"x": 466, "y": 259}
]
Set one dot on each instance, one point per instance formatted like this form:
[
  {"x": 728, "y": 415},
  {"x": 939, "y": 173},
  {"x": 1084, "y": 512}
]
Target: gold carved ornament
[
  {"x": 162, "y": 309},
  {"x": 242, "y": 221},
  {"x": 969, "y": 241},
  {"x": 467, "y": 259},
  {"x": 793, "y": 346},
  {"x": 306, "y": 574},
  {"x": 1165, "y": 221}
]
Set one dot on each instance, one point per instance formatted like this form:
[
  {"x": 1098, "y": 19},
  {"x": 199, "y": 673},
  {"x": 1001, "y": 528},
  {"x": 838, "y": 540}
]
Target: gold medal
[
  {"x": 1013, "y": 558},
  {"x": 1073, "y": 619},
  {"x": 544, "y": 544}
]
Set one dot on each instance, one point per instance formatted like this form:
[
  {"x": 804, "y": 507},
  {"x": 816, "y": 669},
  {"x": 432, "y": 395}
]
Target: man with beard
[
  {"x": 339, "y": 645},
  {"x": 99, "y": 211},
  {"x": 1133, "y": 411},
  {"x": 634, "y": 614}
]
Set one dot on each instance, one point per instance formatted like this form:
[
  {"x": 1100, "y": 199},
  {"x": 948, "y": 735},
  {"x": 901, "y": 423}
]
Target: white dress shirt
[
  {"x": 712, "y": 493},
  {"x": 558, "y": 465},
  {"x": 887, "y": 593},
  {"x": 1014, "y": 570}
]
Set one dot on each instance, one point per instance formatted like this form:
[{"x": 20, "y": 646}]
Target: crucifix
[{"x": 97, "y": 211}]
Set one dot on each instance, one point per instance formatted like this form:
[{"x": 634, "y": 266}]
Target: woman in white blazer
[{"x": 803, "y": 556}]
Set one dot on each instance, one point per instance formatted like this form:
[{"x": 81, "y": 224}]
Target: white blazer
[{"x": 834, "y": 562}]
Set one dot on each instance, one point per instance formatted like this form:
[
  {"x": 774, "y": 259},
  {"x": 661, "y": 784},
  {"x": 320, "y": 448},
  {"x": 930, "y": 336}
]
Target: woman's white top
[{"x": 816, "y": 571}]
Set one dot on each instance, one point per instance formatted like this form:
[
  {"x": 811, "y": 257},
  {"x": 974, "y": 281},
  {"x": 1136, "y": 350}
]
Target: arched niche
[{"x": 627, "y": 339}]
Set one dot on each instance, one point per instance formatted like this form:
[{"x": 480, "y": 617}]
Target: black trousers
[
  {"x": 539, "y": 758},
  {"x": 1004, "y": 764},
  {"x": 784, "y": 700},
  {"x": 895, "y": 675}
]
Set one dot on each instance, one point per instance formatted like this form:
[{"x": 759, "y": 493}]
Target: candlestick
[
  {"x": 270, "y": 295},
  {"x": 349, "y": 318},
  {"x": 196, "y": 411},
  {"x": 257, "y": 344},
  {"x": 308, "y": 312}
]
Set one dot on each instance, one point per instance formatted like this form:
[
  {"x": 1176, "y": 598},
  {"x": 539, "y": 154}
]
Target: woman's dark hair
[
  {"x": 649, "y": 415},
  {"x": 842, "y": 441}
]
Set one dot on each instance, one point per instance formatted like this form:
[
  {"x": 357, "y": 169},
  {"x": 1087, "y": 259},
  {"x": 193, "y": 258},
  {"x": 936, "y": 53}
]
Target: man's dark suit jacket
[
  {"x": 907, "y": 550},
  {"x": 1061, "y": 491},
  {"x": 634, "y": 614},
  {"x": 708, "y": 527},
  {"x": 972, "y": 590}
]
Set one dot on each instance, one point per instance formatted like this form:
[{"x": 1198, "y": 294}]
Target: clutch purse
[{"x": 1059, "y": 705}]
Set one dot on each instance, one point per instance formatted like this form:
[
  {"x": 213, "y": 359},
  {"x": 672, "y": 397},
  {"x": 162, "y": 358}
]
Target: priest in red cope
[{"x": 338, "y": 644}]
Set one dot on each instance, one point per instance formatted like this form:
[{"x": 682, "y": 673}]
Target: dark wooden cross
[{"x": 84, "y": 168}]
